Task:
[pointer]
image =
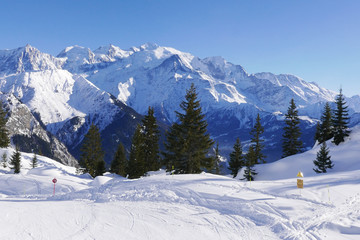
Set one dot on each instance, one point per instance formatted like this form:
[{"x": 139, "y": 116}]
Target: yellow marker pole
[{"x": 300, "y": 182}]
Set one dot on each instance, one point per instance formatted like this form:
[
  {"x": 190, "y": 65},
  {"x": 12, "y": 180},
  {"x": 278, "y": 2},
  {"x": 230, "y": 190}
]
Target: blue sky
[{"x": 318, "y": 40}]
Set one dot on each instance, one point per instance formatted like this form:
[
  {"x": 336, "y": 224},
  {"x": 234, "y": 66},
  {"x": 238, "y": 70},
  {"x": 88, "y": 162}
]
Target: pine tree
[
  {"x": 325, "y": 129},
  {"x": 151, "y": 136},
  {"x": 119, "y": 163},
  {"x": 4, "y": 134},
  {"x": 34, "y": 161},
  {"x": 250, "y": 159},
  {"x": 4, "y": 160},
  {"x": 323, "y": 160},
  {"x": 317, "y": 136},
  {"x": 15, "y": 160},
  {"x": 341, "y": 120},
  {"x": 136, "y": 167},
  {"x": 291, "y": 136},
  {"x": 92, "y": 154},
  {"x": 217, "y": 160},
  {"x": 188, "y": 142},
  {"x": 259, "y": 146},
  {"x": 236, "y": 161}
]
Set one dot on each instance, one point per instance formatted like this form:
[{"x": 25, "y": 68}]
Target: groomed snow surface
[{"x": 202, "y": 206}]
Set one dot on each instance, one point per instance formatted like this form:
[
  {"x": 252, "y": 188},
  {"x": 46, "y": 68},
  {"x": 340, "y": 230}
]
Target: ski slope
[{"x": 202, "y": 206}]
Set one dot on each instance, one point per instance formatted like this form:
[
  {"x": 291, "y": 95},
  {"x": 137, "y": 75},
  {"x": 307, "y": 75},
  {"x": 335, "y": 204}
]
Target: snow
[{"x": 193, "y": 206}]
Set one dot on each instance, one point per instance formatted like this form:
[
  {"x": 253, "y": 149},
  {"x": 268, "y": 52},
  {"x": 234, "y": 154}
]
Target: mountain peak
[
  {"x": 27, "y": 58},
  {"x": 149, "y": 46}
]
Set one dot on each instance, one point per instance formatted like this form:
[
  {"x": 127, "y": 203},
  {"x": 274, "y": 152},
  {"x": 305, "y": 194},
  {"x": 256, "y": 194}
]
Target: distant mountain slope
[{"x": 81, "y": 86}]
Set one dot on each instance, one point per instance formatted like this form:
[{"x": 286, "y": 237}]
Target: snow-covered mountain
[
  {"x": 81, "y": 86},
  {"x": 151, "y": 75},
  {"x": 65, "y": 103}
]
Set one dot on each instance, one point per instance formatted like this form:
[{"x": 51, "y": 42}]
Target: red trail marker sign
[{"x": 54, "y": 181}]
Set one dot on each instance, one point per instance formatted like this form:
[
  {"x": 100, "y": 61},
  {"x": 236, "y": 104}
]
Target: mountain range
[{"x": 113, "y": 88}]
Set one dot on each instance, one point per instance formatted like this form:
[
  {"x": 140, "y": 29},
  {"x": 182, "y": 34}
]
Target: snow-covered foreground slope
[{"x": 202, "y": 206}]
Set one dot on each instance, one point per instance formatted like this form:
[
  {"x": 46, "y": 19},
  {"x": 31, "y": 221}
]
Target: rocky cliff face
[{"x": 28, "y": 132}]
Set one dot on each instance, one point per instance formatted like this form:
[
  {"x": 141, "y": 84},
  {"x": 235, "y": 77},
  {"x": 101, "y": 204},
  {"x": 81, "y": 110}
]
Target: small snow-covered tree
[
  {"x": 323, "y": 159},
  {"x": 4, "y": 160},
  {"x": 16, "y": 160},
  {"x": 34, "y": 161}
]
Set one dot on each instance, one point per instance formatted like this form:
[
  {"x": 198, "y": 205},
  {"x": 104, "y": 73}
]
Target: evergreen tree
[
  {"x": 318, "y": 132},
  {"x": 100, "y": 168},
  {"x": 4, "y": 160},
  {"x": 291, "y": 136},
  {"x": 15, "y": 160},
  {"x": 341, "y": 120},
  {"x": 236, "y": 161},
  {"x": 151, "y": 136},
  {"x": 250, "y": 159},
  {"x": 325, "y": 129},
  {"x": 4, "y": 134},
  {"x": 92, "y": 154},
  {"x": 119, "y": 163},
  {"x": 259, "y": 146},
  {"x": 136, "y": 167},
  {"x": 323, "y": 160},
  {"x": 188, "y": 142},
  {"x": 217, "y": 160},
  {"x": 34, "y": 161}
]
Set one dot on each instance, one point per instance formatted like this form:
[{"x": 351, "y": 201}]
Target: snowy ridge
[
  {"x": 152, "y": 75},
  {"x": 25, "y": 59},
  {"x": 202, "y": 206}
]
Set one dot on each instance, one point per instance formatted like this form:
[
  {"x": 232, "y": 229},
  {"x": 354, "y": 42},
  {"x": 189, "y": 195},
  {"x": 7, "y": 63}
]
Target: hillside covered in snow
[{"x": 202, "y": 206}]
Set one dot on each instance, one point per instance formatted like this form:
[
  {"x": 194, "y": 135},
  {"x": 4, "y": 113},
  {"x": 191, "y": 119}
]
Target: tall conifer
[
  {"x": 15, "y": 160},
  {"x": 188, "y": 142},
  {"x": 323, "y": 160},
  {"x": 341, "y": 120},
  {"x": 4, "y": 134},
  {"x": 217, "y": 160},
  {"x": 92, "y": 155},
  {"x": 250, "y": 159},
  {"x": 151, "y": 136},
  {"x": 119, "y": 163},
  {"x": 136, "y": 167},
  {"x": 325, "y": 129},
  {"x": 236, "y": 161},
  {"x": 258, "y": 141},
  {"x": 291, "y": 136}
]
